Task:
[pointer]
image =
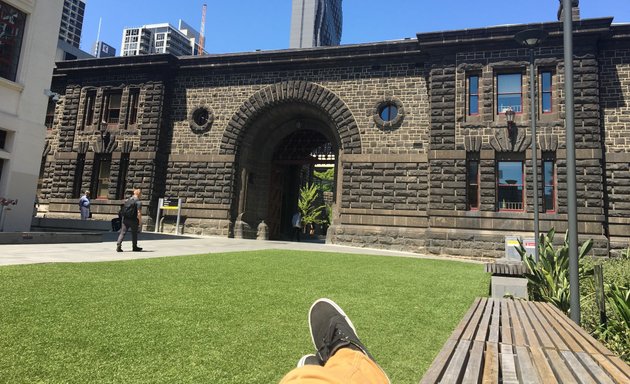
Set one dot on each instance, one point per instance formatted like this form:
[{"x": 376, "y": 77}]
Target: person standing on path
[
  {"x": 296, "y": 222},
  {"x": 131, "y": 219},
  {"x": 84, "y": 205}
]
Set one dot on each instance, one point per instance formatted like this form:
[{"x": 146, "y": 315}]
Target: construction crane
[{"x": 202, "y": 37}]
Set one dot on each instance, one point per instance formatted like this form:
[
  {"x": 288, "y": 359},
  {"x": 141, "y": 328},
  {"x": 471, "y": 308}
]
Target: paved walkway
[{"x": 158, "y": 245}]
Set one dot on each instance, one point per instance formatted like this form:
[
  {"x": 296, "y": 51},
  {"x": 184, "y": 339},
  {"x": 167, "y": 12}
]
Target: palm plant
[{"x": 311, "y": 214}]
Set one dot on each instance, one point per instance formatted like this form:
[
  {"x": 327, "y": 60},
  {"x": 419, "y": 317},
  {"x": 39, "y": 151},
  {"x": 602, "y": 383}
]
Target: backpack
[{"x": 130, "y": 211}]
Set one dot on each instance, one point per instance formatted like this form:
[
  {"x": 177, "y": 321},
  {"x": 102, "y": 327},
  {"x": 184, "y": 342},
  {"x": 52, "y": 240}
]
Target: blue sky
[{"x": 247, "y": 25}]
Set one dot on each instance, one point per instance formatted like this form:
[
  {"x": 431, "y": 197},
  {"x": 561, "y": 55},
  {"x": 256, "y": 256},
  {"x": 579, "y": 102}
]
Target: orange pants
[{"x": 346, "y": 366}]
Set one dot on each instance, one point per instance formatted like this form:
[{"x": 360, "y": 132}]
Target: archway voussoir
[{"x": 301, "y": 89}]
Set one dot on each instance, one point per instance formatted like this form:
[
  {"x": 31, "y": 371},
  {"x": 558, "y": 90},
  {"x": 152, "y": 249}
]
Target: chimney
[{"x": 575, "y": 10}]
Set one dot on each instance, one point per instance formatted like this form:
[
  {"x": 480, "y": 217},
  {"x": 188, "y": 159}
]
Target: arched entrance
[
  {"x": 280, "y": 136},
  {"x": 283, "y": 151}
]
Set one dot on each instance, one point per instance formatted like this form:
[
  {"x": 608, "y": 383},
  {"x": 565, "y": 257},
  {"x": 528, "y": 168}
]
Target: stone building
[{"x": 424, "y": 158}]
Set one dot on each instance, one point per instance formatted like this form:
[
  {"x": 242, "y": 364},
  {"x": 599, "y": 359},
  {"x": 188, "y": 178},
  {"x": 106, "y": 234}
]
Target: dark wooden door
[{"x": 274, "y": 216}]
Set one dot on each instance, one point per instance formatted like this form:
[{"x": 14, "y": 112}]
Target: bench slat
[
  {"x": 611, "y": 368},
  {"x": 546, "y": 321},
  {"x": 508, "y": 366},
  {"x": 595, "y": 370},
  {"x": 439, "y": 363},
  {"x": 563, "y": 373},
  {"x": 495, "y": 326},
  {"x": 506, "y": 327},
  {"x": 456, "y": 365},
  {"x": 526, "y": 372},
  {"x": 576, "y": 366},
  {"x": 528, "y": 328},
  {"x": 518, "y": 336},
  {"x": 491, "y": 364},
  {"x": 473, "y": 368},
  {"x": 541, "y": 330},
  {"x": 542, "y": 365},
  {"x": 483, "y": 327}
]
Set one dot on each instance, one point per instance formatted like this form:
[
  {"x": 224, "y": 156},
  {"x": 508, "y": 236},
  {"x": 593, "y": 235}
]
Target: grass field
[{"x": 221, "y": 318}]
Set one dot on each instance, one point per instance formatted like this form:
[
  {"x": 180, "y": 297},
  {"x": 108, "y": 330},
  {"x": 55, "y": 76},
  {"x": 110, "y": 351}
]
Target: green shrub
[
  {"x": 615, "y": 334},
  {"x": 548, "y": 279},
  {"x": 311, "y": 214}
]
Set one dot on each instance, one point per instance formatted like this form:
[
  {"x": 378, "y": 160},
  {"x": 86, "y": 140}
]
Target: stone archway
[
  {"x": 304, "y": 92},
  {"x": 261, "y": 127}
]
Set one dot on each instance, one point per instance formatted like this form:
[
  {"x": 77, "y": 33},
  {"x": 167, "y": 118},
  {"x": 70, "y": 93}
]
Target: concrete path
[{"x": 159, "y": 245}]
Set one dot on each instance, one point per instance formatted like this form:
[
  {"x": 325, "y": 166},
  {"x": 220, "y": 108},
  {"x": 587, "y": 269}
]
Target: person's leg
[
  {"x": 134, "y": 236},
  {"x": 121, "y": 235},
  {"x": 344, "y": 357},
  {"x": 346, "y": 366}
]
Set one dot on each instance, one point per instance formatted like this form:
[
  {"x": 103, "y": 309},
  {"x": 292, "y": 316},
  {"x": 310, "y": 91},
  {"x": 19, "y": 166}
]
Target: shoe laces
[{"x": 331, "y": 342}]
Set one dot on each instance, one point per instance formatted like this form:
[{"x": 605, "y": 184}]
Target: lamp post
[
  {"x": 532, "y": 38},
  {"x": 574, "y": 280}
]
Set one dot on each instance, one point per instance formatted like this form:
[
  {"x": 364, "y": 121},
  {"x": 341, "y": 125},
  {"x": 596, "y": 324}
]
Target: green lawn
[{"x": 221, "y": 318}]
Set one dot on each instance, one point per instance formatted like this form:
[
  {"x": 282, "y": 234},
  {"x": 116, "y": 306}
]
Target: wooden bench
[{"x": 514, "y": 341}]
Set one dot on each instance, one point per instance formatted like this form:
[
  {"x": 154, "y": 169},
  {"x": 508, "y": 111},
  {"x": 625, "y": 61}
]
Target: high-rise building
[
  {"x": 315, "y": 23},
  {"x": 70, "y": 30},
  {"x": 72, "y": 22},
  {"x": 102, "y": 49},
  {"x": 159, "y": 38}
]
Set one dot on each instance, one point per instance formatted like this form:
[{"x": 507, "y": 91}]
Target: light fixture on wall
[
  {"x": 509, "y": 117},
  {"x": 52, "y": 95}
]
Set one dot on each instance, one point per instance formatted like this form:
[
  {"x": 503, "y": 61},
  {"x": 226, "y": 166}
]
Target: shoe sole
[
  {"x": 303, "y": 361},
  {"x": 337, "y": 308}
]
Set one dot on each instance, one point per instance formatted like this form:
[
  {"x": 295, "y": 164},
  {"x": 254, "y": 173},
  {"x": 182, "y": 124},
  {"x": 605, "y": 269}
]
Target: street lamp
[
  {"x": 574, "y": 280},
  {"x": 532, "y": 38}
]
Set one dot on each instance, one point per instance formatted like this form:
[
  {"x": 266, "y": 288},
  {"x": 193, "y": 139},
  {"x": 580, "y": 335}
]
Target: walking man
[
  {"x": 84, "y": 205},
  {"x": 131, "y": 219}
]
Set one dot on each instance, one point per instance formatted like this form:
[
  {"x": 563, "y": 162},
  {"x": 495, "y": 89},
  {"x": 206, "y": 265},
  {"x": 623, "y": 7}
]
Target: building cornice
[{"x": 471, "y": 39}]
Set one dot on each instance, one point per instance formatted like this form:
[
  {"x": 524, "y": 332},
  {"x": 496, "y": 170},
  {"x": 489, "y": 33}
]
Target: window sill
[{"x": 11, "y": 85}]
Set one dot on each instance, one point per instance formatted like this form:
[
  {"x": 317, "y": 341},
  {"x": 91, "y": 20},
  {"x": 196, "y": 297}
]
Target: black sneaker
[
  {"x": 119, "y": 248},
  {"x": 309, "y": 359},
  {"x": 137, "y": 249},
  {"x": 331, "y": 329}
]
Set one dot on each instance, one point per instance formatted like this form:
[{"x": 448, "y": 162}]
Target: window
[
  {"x": 549, "y": 182},
  {"x": 78, "y": 175},
  {"x": 50, "y": 113},
  {"x": 473, "y": 95},
  {"x": 12, "y": 23},
  {"x": 132, "y": 106},
  {"x": 112, "y": 111},
  {"x": 122, "y": 176},
  {"x": 510, "y": 188},
  {"x": 88, "y": 108},
  {"x": 545, "y": 92},
  {"x": 3, "y": 139},
  {"x": 509, "y": 92},
  {"x": 472, "y": 181},
  {"x": 388, "y": 112},
  {"x": 100, "y": 176}
]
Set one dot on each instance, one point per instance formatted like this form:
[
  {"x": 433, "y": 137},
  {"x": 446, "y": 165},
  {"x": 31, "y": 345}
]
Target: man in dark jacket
[{"x": 131, "y": 219}]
